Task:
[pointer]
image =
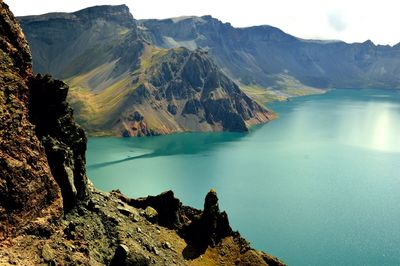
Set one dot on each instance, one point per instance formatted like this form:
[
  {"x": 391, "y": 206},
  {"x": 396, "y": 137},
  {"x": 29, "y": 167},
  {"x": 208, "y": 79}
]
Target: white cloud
[{"x": 348, "y": 20}]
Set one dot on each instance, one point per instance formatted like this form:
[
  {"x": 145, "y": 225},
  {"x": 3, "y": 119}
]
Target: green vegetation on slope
[{"x": 286, "y": 87}]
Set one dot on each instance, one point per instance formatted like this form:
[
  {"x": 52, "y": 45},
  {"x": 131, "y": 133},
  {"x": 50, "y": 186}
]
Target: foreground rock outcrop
[
  {"x": 27, "y": 188},
  {"x": 41, "y": 145},
  {"x": 108, "y": 230},
  {"x": 51, "y": 215}
]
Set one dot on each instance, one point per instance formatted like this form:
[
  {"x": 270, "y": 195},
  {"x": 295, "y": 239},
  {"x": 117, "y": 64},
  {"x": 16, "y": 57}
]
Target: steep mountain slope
[
  {"x": 121, "y": 85},
  {"x": 70, "y": 44},
  {"x": 49, "y": 212},
  {"x": 173, "y": 90},
  {"x": 267, "y": 57}
]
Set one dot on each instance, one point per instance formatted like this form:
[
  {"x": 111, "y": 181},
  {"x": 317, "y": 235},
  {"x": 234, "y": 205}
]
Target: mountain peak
[
  {"x": 368, "y": 42},
  {"x": 120, "y": 13},
  {"x": 104, "y": 9}
]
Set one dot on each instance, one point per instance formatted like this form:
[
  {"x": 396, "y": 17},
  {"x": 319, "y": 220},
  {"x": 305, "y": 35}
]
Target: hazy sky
[{"x": 348, "y": 20}]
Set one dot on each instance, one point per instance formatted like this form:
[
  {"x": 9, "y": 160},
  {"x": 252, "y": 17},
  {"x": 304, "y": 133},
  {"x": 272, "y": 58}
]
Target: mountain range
[
  {"x": 123, "y": 85},
  {"x": 147, "y": 77},
  {"x": 264, "y": 55}
]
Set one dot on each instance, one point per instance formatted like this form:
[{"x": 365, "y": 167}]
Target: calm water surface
[{"x": 318, "y": 186}]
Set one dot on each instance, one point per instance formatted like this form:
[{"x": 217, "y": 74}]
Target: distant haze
[{"x": 347, "y": 20}]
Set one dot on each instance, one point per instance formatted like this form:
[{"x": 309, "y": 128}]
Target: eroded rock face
[
  {"x": 186, "y": 91},
  {"x": 27, "y": 187},
  {"x": 194, "y": 88},
  {"x": 64, "y": 141},
  {"x": 13, "y": 43}
]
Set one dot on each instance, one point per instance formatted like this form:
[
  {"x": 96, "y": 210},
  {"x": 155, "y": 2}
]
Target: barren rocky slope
[{"x": 51, "y": 215}]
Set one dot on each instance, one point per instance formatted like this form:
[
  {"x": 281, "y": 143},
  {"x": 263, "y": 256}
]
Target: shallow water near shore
[{"x": 318, "y": 186}]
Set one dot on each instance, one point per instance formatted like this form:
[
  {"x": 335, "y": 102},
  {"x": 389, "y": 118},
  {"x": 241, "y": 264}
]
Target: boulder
[
  {"x": 167, "y": 206},
  {"x": 151, "y": 214},
  {"x": 124, "y": 257},
  {"x": 120, "y": 256}
]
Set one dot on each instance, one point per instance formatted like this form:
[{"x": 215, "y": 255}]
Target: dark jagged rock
[
  {"x": 120, "y": 256},
  {"x": 192, "y": 106},
  {"x": 63, "y": 139},
  {"x": 193, "y": 88},
  {"x": 136, "y": 116},
  {"x": 210, "y": 227},
  {"x": 168, "y": 207},
  {"x": 172, "y": 109},
  {"x": 199, "y": 228}
]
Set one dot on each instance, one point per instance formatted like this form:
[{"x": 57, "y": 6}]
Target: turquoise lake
[{"x": 318, "y": 186}]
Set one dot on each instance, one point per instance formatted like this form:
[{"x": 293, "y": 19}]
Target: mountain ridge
[
  {"x": 268, "y": 51},
  {"x": 117, "y": 87}
]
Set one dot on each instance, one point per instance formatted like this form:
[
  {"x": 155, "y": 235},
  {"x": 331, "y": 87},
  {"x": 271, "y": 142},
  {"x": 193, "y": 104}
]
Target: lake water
[{"x": 318, "y": 186}]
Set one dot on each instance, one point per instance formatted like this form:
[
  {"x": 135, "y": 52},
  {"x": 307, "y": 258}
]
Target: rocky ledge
[{"x": 109, "y": 230}]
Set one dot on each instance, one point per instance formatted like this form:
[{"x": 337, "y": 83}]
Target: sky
[{"x": 347, "y": 20}]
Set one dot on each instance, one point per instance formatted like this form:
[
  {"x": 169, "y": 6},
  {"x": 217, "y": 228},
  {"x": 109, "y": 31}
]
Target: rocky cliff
[
  {"x": 38, "y": 132},
  {"x": 27, "y": 187},
  {"x": 122, "y": 85},
  {"x": 51, "y": 215}
]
